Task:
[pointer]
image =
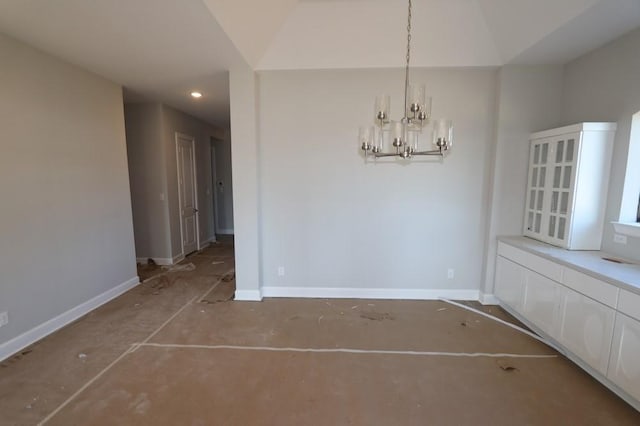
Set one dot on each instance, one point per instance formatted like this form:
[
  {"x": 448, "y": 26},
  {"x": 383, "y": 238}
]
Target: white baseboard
[
  {"x": 163, "y": 261},
  {"x": 248, "y": 295},
  {"x": 28, "y": 338},
  {"x": 225, "y": 231},
  {"x": 207, "y": 242},
  {"x": 489, "y": 299},
  {"x": 370, "y": 293}
]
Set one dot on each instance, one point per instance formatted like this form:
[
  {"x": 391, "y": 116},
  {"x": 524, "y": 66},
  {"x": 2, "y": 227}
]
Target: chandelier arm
[
  {"x": 432, "y": 152},
  {"x": 385, "y": 154}
]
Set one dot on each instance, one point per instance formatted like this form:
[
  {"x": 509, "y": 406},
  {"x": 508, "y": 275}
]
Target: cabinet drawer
[
  {"x": 604, "y": 293},
  {"x": 629, "y": 304},
  {"x": 531, "y": 261}
]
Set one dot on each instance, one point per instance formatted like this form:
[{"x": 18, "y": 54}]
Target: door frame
[{"x": 183, "y": 136}]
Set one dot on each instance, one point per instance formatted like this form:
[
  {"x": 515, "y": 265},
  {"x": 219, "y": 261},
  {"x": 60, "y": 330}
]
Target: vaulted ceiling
[{"x": 162, "y": 49}]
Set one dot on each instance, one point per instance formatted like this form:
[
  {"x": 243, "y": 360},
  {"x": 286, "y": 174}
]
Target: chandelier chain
[
  {"x": 409, "y": 34},
  {"x": 406, "y": 76}
]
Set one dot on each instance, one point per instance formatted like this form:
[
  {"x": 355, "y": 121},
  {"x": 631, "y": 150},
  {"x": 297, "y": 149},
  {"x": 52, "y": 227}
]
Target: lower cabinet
[
  {"x": 624, "y": 365},
  {"x": 596, "y": 322},
  {"x": 509, "y": 283},
  {"x": 540, "y": 303},
  {"x": 586, "y": 328}
]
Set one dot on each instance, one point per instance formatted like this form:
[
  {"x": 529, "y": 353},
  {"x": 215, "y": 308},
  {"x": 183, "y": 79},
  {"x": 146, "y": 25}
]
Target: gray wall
[
  {"x": 529, "y": 100},
  {"x": 66, "y": 228},
  {"x": 333, "y": 221},
  {"x": 223, "y": 173},
  {"x": 147, "y": 173},
  {"x": 604, "y": 85},
  {"x": 245, "y": 162}
]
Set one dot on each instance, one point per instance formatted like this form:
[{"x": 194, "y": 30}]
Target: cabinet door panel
[
  {"x": 541, "y": 301},
  {"x": 624, "y": 365},
  {"x": 539, "y": 158},
  {"x": 509, "y": 283},
  {"x": 586, "y": 328}
]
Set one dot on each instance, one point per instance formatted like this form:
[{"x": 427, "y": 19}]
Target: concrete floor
[{"x": 176, "y": 351}]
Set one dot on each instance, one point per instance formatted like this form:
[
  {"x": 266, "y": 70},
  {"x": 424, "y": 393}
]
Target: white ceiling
[
  {"x": 162, "y": 49},
  {"x": 158, "y": 49}
]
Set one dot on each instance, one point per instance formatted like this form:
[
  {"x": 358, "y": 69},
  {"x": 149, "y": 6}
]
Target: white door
[{"x": 187, "y": 193}]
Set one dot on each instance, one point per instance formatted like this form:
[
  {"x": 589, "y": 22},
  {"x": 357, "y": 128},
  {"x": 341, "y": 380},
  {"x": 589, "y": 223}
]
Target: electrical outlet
[
  {"x": 620, "y": 239},
  {"x": 450, "y": 273},
  {"x": 4, "y": 318},
  {"x": 281, "y": 271}
]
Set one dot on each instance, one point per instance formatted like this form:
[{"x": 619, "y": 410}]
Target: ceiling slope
[
  {"x": 372, "y": 33},
  {"x": 516, "y": 25},
  {"x": 598, "y": 25},
  {"x": 250, "y": 24}
]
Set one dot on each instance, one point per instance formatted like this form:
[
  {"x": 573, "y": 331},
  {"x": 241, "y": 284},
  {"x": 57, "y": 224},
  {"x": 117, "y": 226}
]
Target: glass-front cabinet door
[
  {"x": 550, "y": 188},
  {"x": 563, "y": 169},
  {"x": 538, "y": 166}
]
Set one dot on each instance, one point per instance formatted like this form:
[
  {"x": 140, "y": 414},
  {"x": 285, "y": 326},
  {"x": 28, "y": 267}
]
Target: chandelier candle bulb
[
  {"x": 397, "y": 133},
  {"x": 416, "y": 99},
  {"x": 382, "y": 108},
  {"x": 425, "y": 111},
  {"x": 413, "y": 140},
  {"x": 443, "y": 133},
  {"x": 378, "y": 138},
  {"x": 365, "y": 138}
]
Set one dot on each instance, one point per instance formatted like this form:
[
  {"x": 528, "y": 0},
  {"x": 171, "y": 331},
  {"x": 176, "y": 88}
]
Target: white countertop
[{"x": 625, "y": 276}]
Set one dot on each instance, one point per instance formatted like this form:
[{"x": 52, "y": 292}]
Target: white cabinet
[
  {"x": 624, "y": 366},
  {"x": 596, "y": 322},
  {"x": 567, "y": 185},
  {"x": 540, "y": 301},
  {"x": 509, "y": 283},
  {"x": 586, "y": 328}
]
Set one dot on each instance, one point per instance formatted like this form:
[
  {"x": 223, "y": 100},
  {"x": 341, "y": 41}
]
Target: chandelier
[{"x": 403, "y": 135}]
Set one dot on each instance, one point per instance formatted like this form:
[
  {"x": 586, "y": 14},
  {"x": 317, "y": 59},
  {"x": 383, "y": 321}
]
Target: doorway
[{"x": 187, "y": 199}]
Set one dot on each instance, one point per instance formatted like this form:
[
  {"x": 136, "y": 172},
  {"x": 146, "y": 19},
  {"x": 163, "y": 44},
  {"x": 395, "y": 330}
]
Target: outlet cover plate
[{"x": 620, "y": 239}]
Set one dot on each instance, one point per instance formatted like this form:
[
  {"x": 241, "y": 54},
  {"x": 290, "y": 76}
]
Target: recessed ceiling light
[{"x": 196, "y": 94}]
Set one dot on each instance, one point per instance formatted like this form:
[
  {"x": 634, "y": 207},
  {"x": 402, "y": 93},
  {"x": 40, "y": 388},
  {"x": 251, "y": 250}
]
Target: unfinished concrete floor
[{"x": 176, "y": 351}]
